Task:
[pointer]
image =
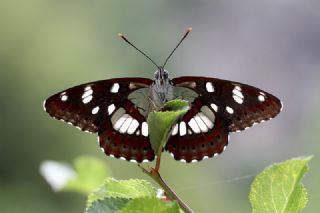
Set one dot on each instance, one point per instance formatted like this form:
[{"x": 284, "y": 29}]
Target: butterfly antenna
[
  {"x": 126, "y": 40},
  {"x": 185, "y": 35}
]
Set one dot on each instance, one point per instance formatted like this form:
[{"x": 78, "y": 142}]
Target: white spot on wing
[
  {"x": 206, "y": 120},
  {"x": 237, "y": 99},
  {"x": 237, "y": 92},
  {"x": 87, "y": 88},
  {"x": 237, "y": 95},
  {"x": 237, "y": 88},
  {"x": 120, "y": 121},
  {"x": 182, "y": 128},
  {"x": 115, "y": 117},
  {"x": 175, "y": 129},
  {"x": 144, "y": 129},
  {"x": 64, "y": 97},
  {"x": 87, "y": 92},
  {"x": 133, "y": 126},
  {"x": 111, "y": 108},
  {"x": 95, "y": 110},
  {"x": 229, "y": 110},
  {"x": 214, "y": 107},
  {"x": 201, "y": 123},
  {"x": 125, "y": 125},
  {"x": 194, "y": 126},
  {"x": 209, "y": 87},
  {"x": 261, "y": 98},
  {"x": 87, "y": 99},
  {"x": 115, "y": 88},
  {"x": 208, "y": 112}
]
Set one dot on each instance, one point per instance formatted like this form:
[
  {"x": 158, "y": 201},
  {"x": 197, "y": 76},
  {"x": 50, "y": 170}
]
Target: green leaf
[
  {"x": 278, "y": 188},
  {"x": 132, "y": 188},
  {"x": 90, "y": 174},
  {"x": 150, "y": 205},
  {"x": 108, "y": 205},
  {"x": 175, "y": 105},
  {"x": 161, "y": 123}
]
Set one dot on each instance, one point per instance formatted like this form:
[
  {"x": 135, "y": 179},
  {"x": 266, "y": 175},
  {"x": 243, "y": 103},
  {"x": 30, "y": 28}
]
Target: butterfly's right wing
[
  {"x": 104, "y": 107},
  {"x": 218, "y": 107}
]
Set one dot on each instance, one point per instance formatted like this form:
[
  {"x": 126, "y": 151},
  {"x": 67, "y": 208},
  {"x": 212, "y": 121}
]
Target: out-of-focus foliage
[
  {"x": 278, "y": 188},
  {"x": 88, "y": 173}
]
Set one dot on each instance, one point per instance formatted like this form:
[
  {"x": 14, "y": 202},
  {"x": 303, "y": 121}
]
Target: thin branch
[{"x": 155, "y": 175}]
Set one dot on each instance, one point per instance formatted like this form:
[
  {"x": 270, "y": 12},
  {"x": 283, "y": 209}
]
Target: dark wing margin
[{"x": 91, "y": 108}]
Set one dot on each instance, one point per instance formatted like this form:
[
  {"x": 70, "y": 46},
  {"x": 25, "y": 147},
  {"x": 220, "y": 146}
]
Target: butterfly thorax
[{"x": 161, "y": 89}]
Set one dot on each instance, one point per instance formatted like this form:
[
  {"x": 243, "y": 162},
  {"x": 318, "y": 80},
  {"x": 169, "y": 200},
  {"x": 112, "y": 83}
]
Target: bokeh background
[{"x": 48, "y": 45}]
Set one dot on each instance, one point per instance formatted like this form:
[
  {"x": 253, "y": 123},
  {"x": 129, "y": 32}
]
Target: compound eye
[
  {"x": 156, "y": 75},
  {"x": 165, "y": 75}
]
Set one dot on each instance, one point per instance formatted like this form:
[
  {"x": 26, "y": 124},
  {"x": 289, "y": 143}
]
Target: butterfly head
[{"x": 161, "y": 76}]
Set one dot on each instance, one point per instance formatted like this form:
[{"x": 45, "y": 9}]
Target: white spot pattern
[
  {"x": 229, "y": 110},
  {"x": 214, "y": 107},
  {"x": 120, "y": 121},
  {"x": 237, "y": 95},
  {"x": 194, "y": 126},
  {"x": 209, "y": 87},
  {"x": 125, "y": 125},
  {"x": 111, "y": 108},
  {"x": 87, "y": 95},
  {"x": 63, "y": 96},
  {"x": 95, "y": 110},
  {"x": 115, "y": 88},
  {"x": 175, "y": 129},
  {"x": 133, "y": 126},
  {"x": 87, "y": 99},
  {"x": 144, "y": 129},
  {"x": 200, "y": 123},
  {"x": 182, "y": 128},
  {"x": 261, "y": 98}
]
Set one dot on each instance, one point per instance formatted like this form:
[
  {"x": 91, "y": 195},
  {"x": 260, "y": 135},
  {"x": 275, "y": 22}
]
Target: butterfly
[{"x": 117, "y": 110}]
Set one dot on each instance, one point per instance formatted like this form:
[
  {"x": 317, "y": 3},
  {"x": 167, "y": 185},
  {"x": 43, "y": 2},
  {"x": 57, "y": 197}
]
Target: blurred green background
[{"x": 50, "y": 45}]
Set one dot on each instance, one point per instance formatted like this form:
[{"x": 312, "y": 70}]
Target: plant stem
[{"x": 155, "y": 175}]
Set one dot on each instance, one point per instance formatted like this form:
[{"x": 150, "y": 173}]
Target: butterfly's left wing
[
  {"x": 221, "y": 107},
  {"x": 105, "y": 107}
]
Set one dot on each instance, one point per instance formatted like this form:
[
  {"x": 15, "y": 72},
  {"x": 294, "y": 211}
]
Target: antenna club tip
[
  {"x": 189, "y": 29},
  {"x": 120, "y": 35}
]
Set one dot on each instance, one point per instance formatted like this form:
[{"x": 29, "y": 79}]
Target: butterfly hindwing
[{"x": 198, "y": 135}]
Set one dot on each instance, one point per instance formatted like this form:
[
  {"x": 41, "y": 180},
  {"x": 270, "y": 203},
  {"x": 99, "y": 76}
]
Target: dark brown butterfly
[{"x": 117, "y": 110}]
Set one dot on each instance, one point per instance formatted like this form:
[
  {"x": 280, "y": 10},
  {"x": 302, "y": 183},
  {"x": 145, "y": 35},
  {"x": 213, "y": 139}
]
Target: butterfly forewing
[
  {"x": 239, "y": 105},
  {"x": 103, "y": 107}
]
